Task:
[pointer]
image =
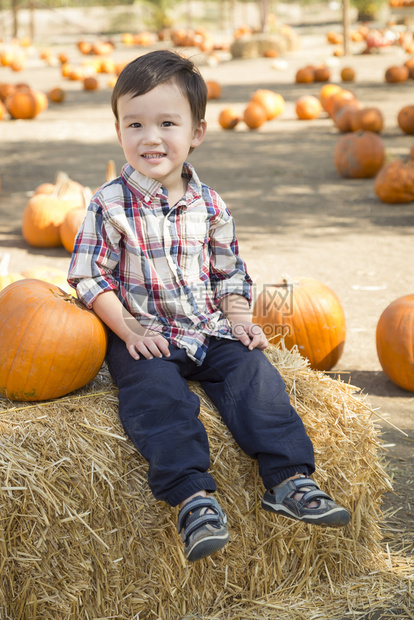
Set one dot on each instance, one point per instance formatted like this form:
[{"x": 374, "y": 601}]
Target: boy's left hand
[{"x": 249, "y": 334}]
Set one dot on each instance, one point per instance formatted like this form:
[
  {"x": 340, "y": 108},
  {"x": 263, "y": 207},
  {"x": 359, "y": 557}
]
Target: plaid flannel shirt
[{"x": 169, "y": 266}]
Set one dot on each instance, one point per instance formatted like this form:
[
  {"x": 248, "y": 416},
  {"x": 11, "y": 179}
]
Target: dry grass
[{"x": 82, "y": 537}]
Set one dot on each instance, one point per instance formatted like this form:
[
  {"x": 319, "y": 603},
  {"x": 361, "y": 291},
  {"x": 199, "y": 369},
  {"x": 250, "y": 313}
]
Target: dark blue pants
[{"x": 160, "y": 415}]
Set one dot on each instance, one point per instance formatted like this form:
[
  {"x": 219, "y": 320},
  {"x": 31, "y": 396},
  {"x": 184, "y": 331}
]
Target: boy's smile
[{"x": 156, "y": 131}]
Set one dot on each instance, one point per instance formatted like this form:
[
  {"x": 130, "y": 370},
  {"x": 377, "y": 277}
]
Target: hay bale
[
  {"x": 82, "y": 537},
  {"x": 256, "y": 45}
]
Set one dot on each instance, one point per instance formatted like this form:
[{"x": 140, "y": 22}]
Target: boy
[{"x": 157, "y": 260}]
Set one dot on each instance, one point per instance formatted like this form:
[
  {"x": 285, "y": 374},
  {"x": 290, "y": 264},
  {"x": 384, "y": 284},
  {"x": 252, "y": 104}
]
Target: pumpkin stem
[
  {"x": 287, "y": 279},
  {"x": 110, "y": 170},
  {"x": 4, "y": 263}
]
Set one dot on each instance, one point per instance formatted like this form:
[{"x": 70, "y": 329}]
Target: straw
[{"x": 81, "y": 536}]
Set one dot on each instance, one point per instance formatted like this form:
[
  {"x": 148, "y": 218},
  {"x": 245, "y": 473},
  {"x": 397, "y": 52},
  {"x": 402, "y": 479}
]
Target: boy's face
[{"x": 156, "y": 132}]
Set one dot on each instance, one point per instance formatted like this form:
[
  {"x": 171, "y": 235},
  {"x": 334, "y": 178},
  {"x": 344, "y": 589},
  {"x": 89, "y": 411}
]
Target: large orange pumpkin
[
  {"x": 305, "y": 313},
  {"x": 51, "y": 343},
  {"x": 395, "y": 342},
  {"x": 359, "y": 155}
]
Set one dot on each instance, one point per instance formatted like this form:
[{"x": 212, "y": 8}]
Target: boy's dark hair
[{"x": 148, "y": 71}]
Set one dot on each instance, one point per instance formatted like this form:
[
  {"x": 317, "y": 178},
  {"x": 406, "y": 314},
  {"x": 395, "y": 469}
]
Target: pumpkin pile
[
  {"x": 347, "y": 112},
  {"x": 264, "y": 105}
]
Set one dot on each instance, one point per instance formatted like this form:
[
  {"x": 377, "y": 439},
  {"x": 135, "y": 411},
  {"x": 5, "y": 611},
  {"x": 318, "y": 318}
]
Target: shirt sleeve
[
  {"x": 228, "y": 272},
  {"x": 95, "y": 256}
]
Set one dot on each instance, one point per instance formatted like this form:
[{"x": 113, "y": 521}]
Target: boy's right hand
[{"x": 150, "y": 345}]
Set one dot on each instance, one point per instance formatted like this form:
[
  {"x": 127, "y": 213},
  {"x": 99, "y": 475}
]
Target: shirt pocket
[{"x": 194, "y": 252}]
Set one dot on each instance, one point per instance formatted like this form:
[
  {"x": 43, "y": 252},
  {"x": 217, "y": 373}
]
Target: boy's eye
[
  {"x": 134, "y": 125},
  {"x": 167, "y": 124}
]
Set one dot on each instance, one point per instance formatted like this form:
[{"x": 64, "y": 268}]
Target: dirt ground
[{"x": 294, "y": 214}]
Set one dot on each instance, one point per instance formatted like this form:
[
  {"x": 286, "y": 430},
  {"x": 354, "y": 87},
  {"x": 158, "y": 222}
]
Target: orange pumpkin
[
  {"x": 306, "y": 75},
  {"x": 344, "y": 116},
  {"x": 90, "y": 83},
  {"x": 44, "y": 213},
  {"x": 322, "y": 74},
  {"x": 51, "y": 343},
  {"x": 57, "y": 95},
  {"x": 273, "y": 103},
  {"x": 326, "y": 91},
  {"x": 338, "y": 100},
  {"x": 213, "y": 90},
  {"x": 394, "y": 74},
  {"x": 368, "y": 119},
  {"x": 308, "y": 107},
  {"x": 254, "y": 115},
  {"x": 70, "y": 226},
  {"x": 229, "y": 118},
  {"x": 395, "y": 342},
  {"x": 405, "y": 119},
  {"x": 359, "y": 155},
  {"x": 348, "y": 74},
  {"x": 394, "y": 184},
  {"x": 305, "y": 313},
  {"x": 22, "y": 105}
]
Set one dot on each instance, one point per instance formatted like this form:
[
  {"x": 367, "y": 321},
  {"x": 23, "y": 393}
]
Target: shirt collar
[{"x": 148, "y": 188}]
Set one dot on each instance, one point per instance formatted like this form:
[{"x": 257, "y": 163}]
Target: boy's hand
[
  {"x": 150, "y": 345},
  {"x": 249, "y": 334}
]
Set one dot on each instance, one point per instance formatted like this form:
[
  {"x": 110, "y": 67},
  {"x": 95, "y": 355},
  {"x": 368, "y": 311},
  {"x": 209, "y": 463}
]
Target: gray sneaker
[
  {"x": 280, "y": 499},
  {"x": 202, "y": 525}
]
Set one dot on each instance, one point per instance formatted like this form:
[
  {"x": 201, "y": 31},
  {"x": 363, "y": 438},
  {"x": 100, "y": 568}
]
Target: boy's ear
[
  {"x": 118, "y": 132},
  {"x": 199, "y": 133}
]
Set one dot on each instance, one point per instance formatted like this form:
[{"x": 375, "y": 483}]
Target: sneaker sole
[
  {"x": 337, "y": 517},
  {"x": 206, "y": 546}
]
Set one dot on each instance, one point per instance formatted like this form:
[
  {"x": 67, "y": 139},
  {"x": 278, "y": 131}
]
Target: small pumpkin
[
  {"x": 368, "y": 119},
  {"x": 322, "y": 74},
  {"x": 405, "y": 119},
  {"x": 90, "y": 83},
  {"x": 344, "y": 116},
  {"x": 394, "y": 184},
  {"x": 22, "y": 105},
  {"x": 308, "y": 107},
  {"x": 326, "y": 91},
  {"x": 397, "y": 73},
  {"x": 254, "y": 115},
  {"x": 306, "y": 313},
  {"x": 51, "y": 343},
  {"x": 57, "y": 95},
  {"x": 272, "y": 102},
  {"x": 340, "y": 99},
  {"x": 395, "y": 342},
  {"x": 359, "y": 155},
  {"x": 348, "y": 74},
  {"x": 228, "y": 118},
  {"x": 213, "y": 90},
  {"x": 305, "y": 75}
]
